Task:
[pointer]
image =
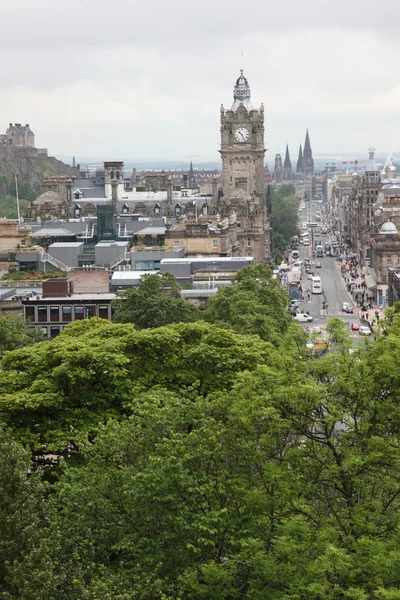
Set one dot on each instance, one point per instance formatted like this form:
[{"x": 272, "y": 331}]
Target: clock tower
[{"x": 242, "y": 152}]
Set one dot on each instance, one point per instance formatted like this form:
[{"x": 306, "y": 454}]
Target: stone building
[
  {"x": 55, "y": 201},
  {"x": 361, "y": 206},
  {"x": 242, "y": 152},
  {"x": 204, "y": 237},
  {"x": 385, "y": 254},
  {"x": 19, "y": 135}
]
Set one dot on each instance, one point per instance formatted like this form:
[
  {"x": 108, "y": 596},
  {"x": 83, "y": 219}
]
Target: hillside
[{"x": 31, "y": 166}]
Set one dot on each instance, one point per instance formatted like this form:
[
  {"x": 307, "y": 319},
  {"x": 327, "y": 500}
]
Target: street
[{"x": 333, "y": 285}]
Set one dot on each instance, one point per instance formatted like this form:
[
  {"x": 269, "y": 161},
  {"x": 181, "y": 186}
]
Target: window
[
  {"x": 42, "y": 314},
  {"x": 249, "y": 242},
  {"x": 54, "y": 331},
  {"x": 54, "y": 313},
  {"x": 103, "y": 312},
  {"x": 78, "y": 313},
  {"x": 398, "y": 258},
  {"x": 389, "y": 260},
  {"x": 89, "y": 312},
  {"x": 29, "y": 313},
  {"x": 43, "y": 331},
  {"x": 176, "y": 244},
  {"x": 215, "y": 243},
  {"x": 67, "y": 313}
]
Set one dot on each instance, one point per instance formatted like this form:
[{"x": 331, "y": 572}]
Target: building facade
[
  {"x": 278, "y": 170},
  {"x": 242, "y": 152},
  {"x": 19, "y": 135},
  {"x": 287, "y": 166}
]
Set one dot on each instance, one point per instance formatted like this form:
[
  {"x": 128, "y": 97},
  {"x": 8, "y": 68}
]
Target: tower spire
[
  {"x": 307, "y": 156},
  {"x": 287, "y": 166},
  {"x": 300, "y": 161}
]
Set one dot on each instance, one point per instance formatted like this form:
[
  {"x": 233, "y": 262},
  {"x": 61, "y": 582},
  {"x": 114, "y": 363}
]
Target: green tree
[
  {"x": 253, "y": 304},
  {"x": 8, "y": 207},
  {"x": 14, "y": 333},
  {"x": 155, "y": 303}
]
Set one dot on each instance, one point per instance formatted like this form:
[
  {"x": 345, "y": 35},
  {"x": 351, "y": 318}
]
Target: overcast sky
[{"x": 145, "y": 79}]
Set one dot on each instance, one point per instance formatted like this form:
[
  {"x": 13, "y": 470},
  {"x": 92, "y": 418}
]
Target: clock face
[{"x": 242, "y": 134}]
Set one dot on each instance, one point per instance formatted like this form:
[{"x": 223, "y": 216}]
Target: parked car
[
  {"x": 310, "y": 274},
  {"x": 364, "y": 330},
  {"x": 303, "y": 318},
  {"x": 318, "y": 264},
  {"x": 347, "y": 308},
  {"x": 355, "y": 327}
]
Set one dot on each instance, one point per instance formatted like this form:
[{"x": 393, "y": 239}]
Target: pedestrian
[
  {"x": 366, "y": 316},
  {"x": 362, "y": 316}
]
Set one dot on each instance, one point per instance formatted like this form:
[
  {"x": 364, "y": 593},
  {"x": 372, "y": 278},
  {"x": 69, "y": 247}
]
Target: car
[
  {"x": 347, "y": 308},
  {"x": 310, "y": 274},
  {"x": 303, "y": 318},
  {"x": 293, "y": 306},
  {"x": 318, "y": 264},
  {"x": 364, "y": 330},
  {"x": 355, "y": 327}
]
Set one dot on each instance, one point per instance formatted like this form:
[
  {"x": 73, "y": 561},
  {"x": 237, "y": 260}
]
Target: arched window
[
  {"x": 112, "y": 174},
  {"x": 204, "y": 209},
  {"x": 178, "y": 211},
  {"x": 117, "y": 175}
]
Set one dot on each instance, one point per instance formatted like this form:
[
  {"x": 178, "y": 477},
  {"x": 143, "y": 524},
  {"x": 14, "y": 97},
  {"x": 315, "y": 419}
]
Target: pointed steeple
[
  {"x": 287, "y": 166},
  {"x": 300, "y": 162},
  {"x": 307, "y": 145},
  {"x": 307, "y": 156},
  {"x": 191, "y": 177}
]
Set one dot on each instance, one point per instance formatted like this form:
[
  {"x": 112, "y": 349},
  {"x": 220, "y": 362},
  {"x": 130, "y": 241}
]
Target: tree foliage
[
  {"x": 209, "y": 465},
  {"x": 253, "y": 304},
  {"x": 284, "y": 217},
  {"x": 8, "y": 200},
  {"x": 155, "y": 303}
]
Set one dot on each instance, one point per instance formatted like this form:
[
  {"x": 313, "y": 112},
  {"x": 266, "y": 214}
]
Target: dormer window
[
  {"x": 125, "y": 209},
  {"x": 77, "y": 211},
  {"x": 157, "y": 210},
  {"x": 204, "y": 209},
  {"x": 178, "y": 211}
]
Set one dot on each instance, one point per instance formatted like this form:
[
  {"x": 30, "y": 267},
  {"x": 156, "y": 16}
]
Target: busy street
[{"x": 335, "y": 268}]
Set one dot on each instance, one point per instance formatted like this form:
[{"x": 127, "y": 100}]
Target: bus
[{"x": 316, "y": 285}]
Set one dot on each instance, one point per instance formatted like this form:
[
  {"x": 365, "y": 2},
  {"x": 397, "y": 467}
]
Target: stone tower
[
  {"x": 278, "y": 171},
  {"x": 300, "y": 162},
  {"x": 191, "y": 177},
  {"x": 242, "y": 152},
  {"x": 308, "y": 158},
  {"x": 113, "y": 172},
  {"x": 287, "y": 166}
]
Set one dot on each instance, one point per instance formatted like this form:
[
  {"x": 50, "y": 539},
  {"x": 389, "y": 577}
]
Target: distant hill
[{"x": 30, "y": 166}]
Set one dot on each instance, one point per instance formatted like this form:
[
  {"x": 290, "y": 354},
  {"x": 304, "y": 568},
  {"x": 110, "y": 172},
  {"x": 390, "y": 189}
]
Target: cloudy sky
[{"x": 144, "y": 79}]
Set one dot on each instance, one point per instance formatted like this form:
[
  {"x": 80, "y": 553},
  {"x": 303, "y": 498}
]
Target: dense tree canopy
[
  {"x": 284, "y": 217},
  {"x": 155, "y": 303},
  {"x": 253, "y": 304},
  {"x": 202, "y": 464}
]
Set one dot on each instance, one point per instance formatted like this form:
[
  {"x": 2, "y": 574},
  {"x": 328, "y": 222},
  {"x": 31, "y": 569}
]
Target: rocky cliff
[{"x": 31, "y": 166}]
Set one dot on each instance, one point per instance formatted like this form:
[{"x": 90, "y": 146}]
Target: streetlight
[{"x": 16, "y": 192}]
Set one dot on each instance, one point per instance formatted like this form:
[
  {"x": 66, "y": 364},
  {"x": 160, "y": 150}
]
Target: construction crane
[
  {"x": 389, "y": 159},
  {"x": 351, "y": 162}
]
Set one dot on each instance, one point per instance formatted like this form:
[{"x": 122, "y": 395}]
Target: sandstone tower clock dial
[{"x": 242, "y": 134}]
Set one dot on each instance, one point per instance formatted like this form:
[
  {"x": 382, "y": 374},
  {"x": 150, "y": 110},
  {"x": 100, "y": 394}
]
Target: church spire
[
  {"x": 191, "y": 177},
  {"x": 307, "y": 156},
  {"x": 287, "y": 166},
  {"x": 241, "y": 93},
  {"x": 300, "y": 162}
]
